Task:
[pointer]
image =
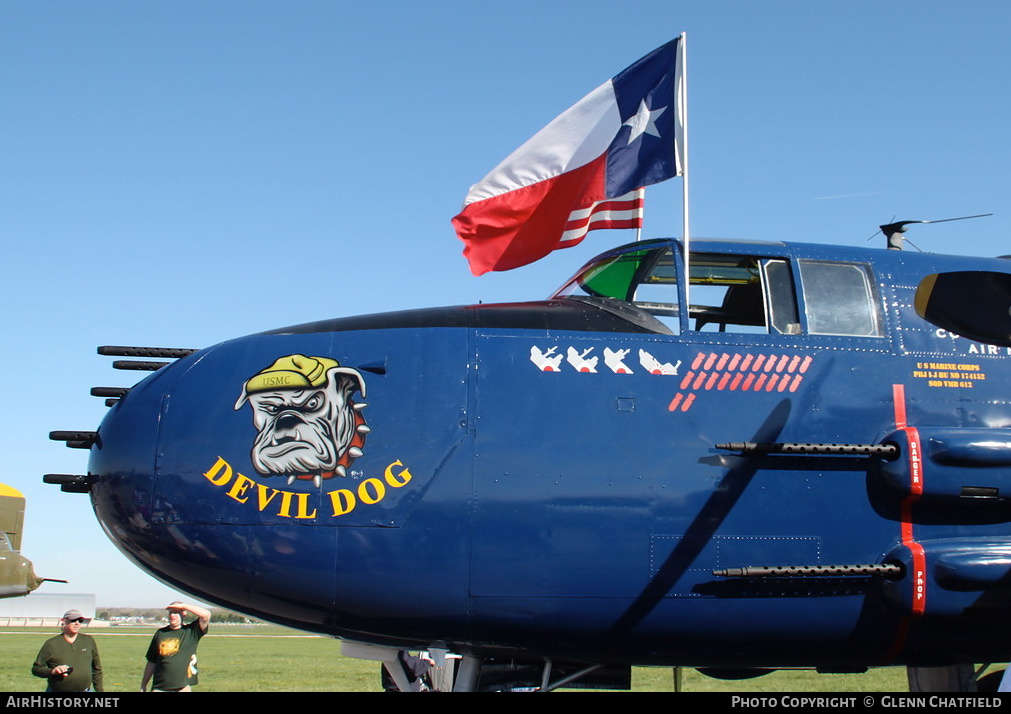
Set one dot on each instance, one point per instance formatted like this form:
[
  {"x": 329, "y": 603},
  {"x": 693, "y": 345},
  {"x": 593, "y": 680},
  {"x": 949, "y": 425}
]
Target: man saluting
[{"x": 172, "y": 655}]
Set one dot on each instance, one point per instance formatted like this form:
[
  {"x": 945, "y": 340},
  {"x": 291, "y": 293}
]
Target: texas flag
[{"x": 583, "y": 170}]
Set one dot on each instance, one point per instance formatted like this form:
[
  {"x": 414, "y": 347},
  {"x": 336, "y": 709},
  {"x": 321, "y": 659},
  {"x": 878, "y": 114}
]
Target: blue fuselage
[{"x": 545, "y": 477}]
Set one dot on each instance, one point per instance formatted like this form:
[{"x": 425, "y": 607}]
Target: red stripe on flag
[
  {"x": 521, "y": 226},
  {"x": 621, "y": 212}
]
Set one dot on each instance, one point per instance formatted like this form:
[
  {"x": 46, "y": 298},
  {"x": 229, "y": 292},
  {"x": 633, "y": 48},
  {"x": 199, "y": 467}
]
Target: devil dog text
[{"x": 292, "y": 504}]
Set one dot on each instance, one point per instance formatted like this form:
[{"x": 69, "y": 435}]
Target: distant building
[{"x": 43, "y": 610}]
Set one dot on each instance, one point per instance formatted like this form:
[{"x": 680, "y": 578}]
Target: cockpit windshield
[
  {"x": 644, "y": 277},
  {"x": 610, "y": 276}
]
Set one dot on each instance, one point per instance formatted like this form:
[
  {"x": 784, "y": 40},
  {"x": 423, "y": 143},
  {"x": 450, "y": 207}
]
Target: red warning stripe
[{"x": 918, "y": 600}]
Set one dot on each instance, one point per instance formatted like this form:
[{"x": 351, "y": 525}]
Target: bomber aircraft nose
[{"x": 273, "y": 474}]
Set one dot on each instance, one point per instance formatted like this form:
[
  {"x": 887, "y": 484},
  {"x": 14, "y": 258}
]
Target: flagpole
[
  {"x": 642, "y": 215},
  {"x": 683, "y": 91}
]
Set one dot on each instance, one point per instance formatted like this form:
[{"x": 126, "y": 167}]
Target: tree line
[{"x": 158, "y": 613}]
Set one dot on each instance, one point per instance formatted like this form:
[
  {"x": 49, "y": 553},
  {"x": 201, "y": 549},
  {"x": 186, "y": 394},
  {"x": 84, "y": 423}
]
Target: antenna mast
[{"x": 895, "y": 232}]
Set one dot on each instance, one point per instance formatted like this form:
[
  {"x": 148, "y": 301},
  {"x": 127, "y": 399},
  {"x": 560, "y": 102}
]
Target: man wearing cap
[
  {"x": 172, "y": 655},
  {"x": 70, "y": 660}
]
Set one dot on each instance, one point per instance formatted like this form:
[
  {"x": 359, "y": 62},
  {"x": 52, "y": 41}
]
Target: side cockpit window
[
  {"x": 840, "y": 299},
  {"x": 730, "y": 292},
  {"x": 742, "y": 294},
  {"x": 781, "y": 297}
]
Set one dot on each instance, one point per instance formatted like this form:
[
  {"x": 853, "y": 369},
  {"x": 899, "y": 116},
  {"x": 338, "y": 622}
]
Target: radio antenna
[{"x": 895, "y": 232}]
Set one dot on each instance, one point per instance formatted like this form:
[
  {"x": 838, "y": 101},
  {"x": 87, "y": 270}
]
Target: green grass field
[{"x": 266, "y": 658}]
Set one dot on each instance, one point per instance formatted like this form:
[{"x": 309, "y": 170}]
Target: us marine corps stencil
[{"x": 308, "y": 425}]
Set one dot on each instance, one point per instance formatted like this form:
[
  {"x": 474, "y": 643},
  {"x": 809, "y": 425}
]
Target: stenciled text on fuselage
[{"x": 297, "y": 505}]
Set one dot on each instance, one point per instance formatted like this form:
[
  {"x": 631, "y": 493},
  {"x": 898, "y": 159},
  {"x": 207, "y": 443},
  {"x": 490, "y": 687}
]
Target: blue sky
[{"x": 181, "y": 173}]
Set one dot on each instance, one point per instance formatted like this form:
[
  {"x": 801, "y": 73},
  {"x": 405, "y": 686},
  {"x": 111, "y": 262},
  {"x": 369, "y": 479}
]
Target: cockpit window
[
  {"x": 782, "y": 297},
  {"x": 726, "y": 294},
  {"x": 657, "y": 290},
  {"x": 645, "y": 279},
  {"x": 839, "y": 299},
  {"x": 613, "y": 277},
  {"x": 733, "y": 293}
]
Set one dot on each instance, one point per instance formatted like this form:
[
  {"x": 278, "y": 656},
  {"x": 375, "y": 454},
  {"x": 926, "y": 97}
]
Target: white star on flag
[{"x": 644, "y": 121}]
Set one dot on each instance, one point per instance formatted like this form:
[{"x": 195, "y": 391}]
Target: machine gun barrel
[
  {"x": 75, "y": 439},
  {"x": 139, "y": 365},
  {"x": 70, "y": 483},
  {"x": 751, "y": 448},
  {"x": 146, "y": 352},
  {"x": 889, "y": 570},
  {"x": 109, "y": 391}
]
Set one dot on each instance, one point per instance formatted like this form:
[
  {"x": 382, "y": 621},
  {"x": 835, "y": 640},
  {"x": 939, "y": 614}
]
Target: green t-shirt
[
  {"x": 81, "y": 654},
  {"x": 174, "y": 654}
]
